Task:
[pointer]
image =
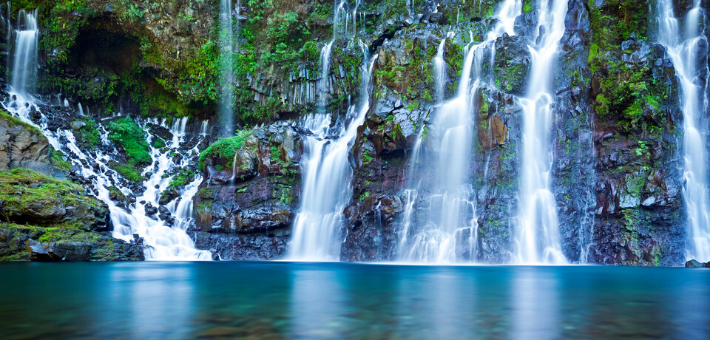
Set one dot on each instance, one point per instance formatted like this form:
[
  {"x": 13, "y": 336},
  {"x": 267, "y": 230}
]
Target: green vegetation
[
  {"x": 224, "y": 148},
  {"x": 130, "y": 138},
  {"x": 126, "y": 134},
  {"x": 88, "y": 135},
  {"x": 12, "y": 122},
  {"x": 181, "y": 179},
  {"x": 29, "y": 193},
  {"x": 57, "y": 159}
]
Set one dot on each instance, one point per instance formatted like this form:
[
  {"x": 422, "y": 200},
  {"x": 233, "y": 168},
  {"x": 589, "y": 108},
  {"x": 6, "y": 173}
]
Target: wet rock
[
  {"x": 696, "y": 264},
  {"x": 150, "y": 209},
  {"x": 512, "y": 63},
  {"x": 77, "y": 125}
]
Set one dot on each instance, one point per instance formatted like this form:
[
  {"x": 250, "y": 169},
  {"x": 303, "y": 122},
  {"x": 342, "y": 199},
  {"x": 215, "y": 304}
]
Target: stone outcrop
[
  {"x": 22, "y": 146},
  {"x": 246, "y": 205},
  {"x": 23, "y": 243}
]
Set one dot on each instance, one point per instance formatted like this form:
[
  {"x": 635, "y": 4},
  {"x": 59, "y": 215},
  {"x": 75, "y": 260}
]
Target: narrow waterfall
[
  {"x": 323, "y": 83},
  {"x": 24, "y": 65},
  {"x": 684, "y": 47},
  {"x": 537, "y": 235},
  {"x": 451, "y": 229},
  {"x": 226, "y": 67},
  {"x": 327, "y": 176}
]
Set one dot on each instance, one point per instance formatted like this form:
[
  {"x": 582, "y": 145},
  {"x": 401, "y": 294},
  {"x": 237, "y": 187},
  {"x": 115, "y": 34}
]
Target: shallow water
[{"x": 281, "y": 300}]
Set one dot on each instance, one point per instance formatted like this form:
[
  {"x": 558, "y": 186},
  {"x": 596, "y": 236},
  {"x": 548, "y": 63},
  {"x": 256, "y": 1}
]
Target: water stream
[
  {"x": 327, "y": 176},
  {"x": 450, "y": 231},
  {"x": 164, "y": 242},
  {"x": 226, "y": 67},
  {"x": 537, "y": 235},
  {"x": 684, "y": 47}
]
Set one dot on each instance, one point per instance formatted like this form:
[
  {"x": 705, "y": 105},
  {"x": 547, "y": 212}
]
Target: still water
[{"x": 281, "y": 300}]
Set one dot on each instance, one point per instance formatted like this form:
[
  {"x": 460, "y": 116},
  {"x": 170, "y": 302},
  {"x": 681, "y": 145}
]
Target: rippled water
[{"x": 349, "y": 301}]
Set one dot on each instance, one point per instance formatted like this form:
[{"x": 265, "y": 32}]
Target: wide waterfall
[
  {"x": 24, "y": 65},
  {"x": 226, "y": 67},
  {"x": 327, "y": 178},
  {"x": 537, "y": 236},
  {"x": 451, "y": 229},
  {"x": 684, "y": 47},
  {"x": 163, "y": 242}
]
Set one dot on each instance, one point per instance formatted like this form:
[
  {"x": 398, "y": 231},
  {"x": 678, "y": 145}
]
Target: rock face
[
  {"x": 696, "y": 264},
  {"x": 21, "y": 243},
  {"x": 22, "y": 146},
  {"x": 244, "y": 210},
  {"x": 616, "y": 131}
]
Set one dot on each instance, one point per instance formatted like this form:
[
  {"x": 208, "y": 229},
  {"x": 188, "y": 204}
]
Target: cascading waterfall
[
  {"x": 684, "y": 49},
  {"x": 341, "y": 19},
  {"x": 452, "y": 228},
  {"x": 327, "y": 176},
  {"x": 537, "y": 235},
  {"x": 226, "y": 67},
  {"x": 24, "y": 66},
  {"x": 165, "y": 243}
]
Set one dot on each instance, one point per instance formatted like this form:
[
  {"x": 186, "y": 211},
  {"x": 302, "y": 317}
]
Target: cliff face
[{"x": 615, "y": 140}]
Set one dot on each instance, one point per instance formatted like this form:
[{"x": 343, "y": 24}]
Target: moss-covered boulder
[{"x": 29, "y": 197}]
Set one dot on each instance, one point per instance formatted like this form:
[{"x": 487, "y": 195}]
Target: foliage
[
  {"x": 88, "y": 135},
  {"x": 224, "y": 148},
  {"x": 126, "y": 134},
  {"x": 57, "y": 159}
]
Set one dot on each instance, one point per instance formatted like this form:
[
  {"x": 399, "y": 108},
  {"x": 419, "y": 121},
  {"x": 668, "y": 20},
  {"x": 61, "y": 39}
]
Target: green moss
[
  {"x": 12, "y": 122},
  {"x": 158, "y": 143},
  {"x": 527, "y": 6},
  {"x": 58, "y": 160},
  {"x": 224, "y": 148},
  {"x": 181, "y": 179},
  {"x": 88, "y": 135},
  {"x": 364, "y": 196},
  {"x": 366, "y": 158},
  {"x": 21, "y": 187},
  {"x": 129, "y": 171},
  {"x": 127, "y": 135}
]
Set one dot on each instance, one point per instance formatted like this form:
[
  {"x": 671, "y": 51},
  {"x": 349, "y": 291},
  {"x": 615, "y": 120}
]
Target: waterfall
[
  {"x": 537, "y": 235},
  {"x": 24, "y": 66},
  {"x": 204, "y": 127},
  {"x": 440, "y": 72},
  {"x": 451, "y": 229},
  {"x": 684, "y": 48},
  {"x": 226, "y": 67},
  {"x": 327, "y": 176},
  {"x": 324, "y": 77},
  {"x": 164, "y": 242}
]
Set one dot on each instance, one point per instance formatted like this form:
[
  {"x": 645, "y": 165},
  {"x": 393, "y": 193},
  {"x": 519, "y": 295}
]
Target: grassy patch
[
  {"x": 224, "y": 148},
  {"x": 57, "y": 159},
  {"x": 88, "y": 135}
]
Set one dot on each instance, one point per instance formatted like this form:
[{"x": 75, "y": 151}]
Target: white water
[
  {"x": 683, "y": 48},
  {"x": 226, "y": 68},
  {"x": 452, "y": 228},
  {"x": 327, "y": 176},
  {"x": 164, "y": 243},
  {"x": 537, "y": 235},
  {"x": 440, "y": 72},
  {"x": 346, "y": 17},
  {"x": 324, "y": 77},
  {"x": 204, "y": 127},
  {"x": 24, "y": 66}
]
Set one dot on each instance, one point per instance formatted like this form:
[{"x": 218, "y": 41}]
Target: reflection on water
[
  {"x": 346, "y": 301},
  {"x": 534, "y": 303}
]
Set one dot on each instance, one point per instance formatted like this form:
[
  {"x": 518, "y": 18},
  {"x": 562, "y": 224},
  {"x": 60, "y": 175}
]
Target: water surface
[{"x": 281, "y": 300}]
